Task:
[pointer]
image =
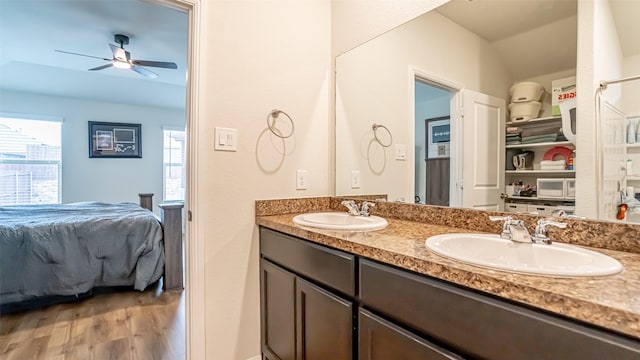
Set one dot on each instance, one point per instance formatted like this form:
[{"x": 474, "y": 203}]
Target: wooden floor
[{"x": 119, "y": 325}]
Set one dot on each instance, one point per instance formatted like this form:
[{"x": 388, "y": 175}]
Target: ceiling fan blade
[
  {"x": 119, "y": 53},
  {"x": 144, "y": 72},
  {"x": 72, "y": 53},
  {"x": 101, "y": 67},
  {"x": 158, "y": 64}
]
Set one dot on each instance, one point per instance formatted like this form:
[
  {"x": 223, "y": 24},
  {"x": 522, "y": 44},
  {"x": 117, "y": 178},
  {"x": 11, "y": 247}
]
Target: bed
[{"x": 57, "y": 251}]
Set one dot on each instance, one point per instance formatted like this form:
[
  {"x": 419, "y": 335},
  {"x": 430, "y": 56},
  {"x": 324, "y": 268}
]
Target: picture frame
[
  {"x": 115, "y": 140},
  {"x": 438, "y": 135}
]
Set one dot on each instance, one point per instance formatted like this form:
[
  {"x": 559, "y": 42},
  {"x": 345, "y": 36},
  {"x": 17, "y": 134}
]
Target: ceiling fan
[{"x": 122, "y": 59}]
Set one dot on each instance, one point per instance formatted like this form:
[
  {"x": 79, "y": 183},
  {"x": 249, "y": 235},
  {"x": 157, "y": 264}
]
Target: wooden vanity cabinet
[
  {"x": 306, "y": 292},
  {"x": 480, "y": 326},
  {"x": 321, "y": 303}
]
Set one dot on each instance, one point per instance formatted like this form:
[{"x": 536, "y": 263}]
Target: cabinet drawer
[
  {"x": 481, "y": 326},
  {"x": 379, "y": 339},
  {"x": 330, "y": 267}
]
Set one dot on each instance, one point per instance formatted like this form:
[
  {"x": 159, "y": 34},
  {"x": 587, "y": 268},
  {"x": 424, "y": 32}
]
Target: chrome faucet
[
  {"x": 352, "y": 207},
  {"x": 364, "y": 208},
  {"x": 513, "y": 230},
  {"x": 563, "y": 214},
  {"x": 540, "y": 233}
]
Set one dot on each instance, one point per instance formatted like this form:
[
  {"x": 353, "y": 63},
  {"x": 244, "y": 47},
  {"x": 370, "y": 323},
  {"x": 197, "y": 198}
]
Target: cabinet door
[
  {"x": 379, "y": 339},
  {"x": 277, "y": 302},
  {"x": 482, "y": 326},
  {"x": 324, "y": 324}
]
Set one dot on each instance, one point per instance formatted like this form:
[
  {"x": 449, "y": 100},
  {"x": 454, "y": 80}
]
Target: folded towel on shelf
[
  {"x": 539, "y": 139},
  {"x": 552, "y": 162},
  {"x": 513, "y": 142},
  {"x": 542, "y": 130},
  {"x": 552, "y": 167},
  {"x": 513, "y": 130}
]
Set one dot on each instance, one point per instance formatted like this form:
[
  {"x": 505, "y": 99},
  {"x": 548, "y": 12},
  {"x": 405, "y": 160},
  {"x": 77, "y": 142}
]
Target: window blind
[
  {"x": 30, "y": 161},
  {"x": 174, "y": 156}
]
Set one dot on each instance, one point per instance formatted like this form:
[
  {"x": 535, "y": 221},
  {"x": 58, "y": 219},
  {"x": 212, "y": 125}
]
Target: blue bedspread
[{"x": 69, "y": 249}]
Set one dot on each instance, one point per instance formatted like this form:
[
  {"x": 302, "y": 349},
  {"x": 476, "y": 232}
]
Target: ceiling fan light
[{"x": 121, "y": 64}]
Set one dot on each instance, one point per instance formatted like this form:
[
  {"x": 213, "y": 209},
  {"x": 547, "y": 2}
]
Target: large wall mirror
[{"x": 436, "y": 90}]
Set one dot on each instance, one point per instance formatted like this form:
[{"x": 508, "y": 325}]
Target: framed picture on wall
[
  {"x": 438, "y": 137},
  {"x": 114, "y": 140}
]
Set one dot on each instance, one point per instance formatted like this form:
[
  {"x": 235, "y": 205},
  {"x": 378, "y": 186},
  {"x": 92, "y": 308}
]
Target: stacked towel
[
  {"x": 513, "y": 135},
  {"x": 561, "y": 136},
  {"x": 535, "y": 139},
  {"x": 552, "y": 165},
  {"x": 541, "y": 130}
]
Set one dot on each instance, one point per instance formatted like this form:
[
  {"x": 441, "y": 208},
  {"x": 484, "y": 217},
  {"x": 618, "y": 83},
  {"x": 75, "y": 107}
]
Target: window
[
  {"x": 30, "y": 161},
  {"x": 174, "y": 164}
]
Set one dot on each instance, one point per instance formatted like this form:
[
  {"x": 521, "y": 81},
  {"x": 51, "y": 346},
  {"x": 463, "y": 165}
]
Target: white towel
[
  {"x": 561, "y": 167},
  {"x": 552, "y": 162}
]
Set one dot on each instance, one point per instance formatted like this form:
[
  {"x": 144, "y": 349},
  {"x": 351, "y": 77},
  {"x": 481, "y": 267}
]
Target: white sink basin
[
  {"x": 493, "y": 252},
  {"x": 340, "y": 221}
]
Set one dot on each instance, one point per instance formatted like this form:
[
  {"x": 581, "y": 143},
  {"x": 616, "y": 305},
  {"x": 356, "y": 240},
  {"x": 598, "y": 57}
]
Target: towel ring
[
  {"x": 375, "y": 128},
  {"x": 274, "y": 114}
]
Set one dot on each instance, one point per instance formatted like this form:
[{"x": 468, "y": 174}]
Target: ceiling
[
  {"x": 30, "y": 30},
  {"x": 535, "y": 37},
  {"x": 498, "y": 19}
]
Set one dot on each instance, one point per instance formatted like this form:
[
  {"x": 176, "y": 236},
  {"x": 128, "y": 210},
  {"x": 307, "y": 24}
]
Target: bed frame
[{"x": 171, "y": 220}]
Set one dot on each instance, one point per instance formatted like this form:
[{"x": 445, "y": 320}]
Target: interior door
[{"x": 484, "y": 119}]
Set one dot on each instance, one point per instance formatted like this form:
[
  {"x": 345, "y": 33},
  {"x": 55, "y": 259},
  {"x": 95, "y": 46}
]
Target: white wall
[
  {"x": 355, "y": 21},
  {"x": 599, "y": 58},
  {"x": 96, "y": 179},
  {"x": 630, "y": 90},
  {"x": 255, "y": 56},
  {"x": 372, "y": 87}
]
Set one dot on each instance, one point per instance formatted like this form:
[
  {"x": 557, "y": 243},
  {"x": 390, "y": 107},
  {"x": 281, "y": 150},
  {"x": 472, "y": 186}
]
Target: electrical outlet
[
  {"x": 401, "y": 152},
  {"x": 355, "y": 179},
  {"x": 301, "y": 179}
]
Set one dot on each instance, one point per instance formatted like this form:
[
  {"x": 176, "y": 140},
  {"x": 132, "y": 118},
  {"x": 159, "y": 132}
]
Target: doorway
[{"x": 432, "y": 142}]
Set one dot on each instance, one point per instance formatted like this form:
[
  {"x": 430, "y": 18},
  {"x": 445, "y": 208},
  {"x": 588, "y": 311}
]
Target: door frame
[
  {"x": 455, "y": 113},
  {"x": 195, "y": 325}
]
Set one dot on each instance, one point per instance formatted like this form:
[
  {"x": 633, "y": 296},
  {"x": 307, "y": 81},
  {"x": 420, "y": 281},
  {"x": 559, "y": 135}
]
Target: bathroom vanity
[{"x": 382, "y": 295}]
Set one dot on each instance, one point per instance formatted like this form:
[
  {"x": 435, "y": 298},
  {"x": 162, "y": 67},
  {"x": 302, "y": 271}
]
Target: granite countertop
[{"x": 612, "y": 302}]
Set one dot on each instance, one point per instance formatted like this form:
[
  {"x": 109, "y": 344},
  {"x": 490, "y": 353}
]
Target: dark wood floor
[{"x": 120, "y": 325}]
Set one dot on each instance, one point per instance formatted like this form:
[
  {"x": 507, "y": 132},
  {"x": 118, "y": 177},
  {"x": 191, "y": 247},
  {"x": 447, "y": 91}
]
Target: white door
[{"x": 483, "y": 152}]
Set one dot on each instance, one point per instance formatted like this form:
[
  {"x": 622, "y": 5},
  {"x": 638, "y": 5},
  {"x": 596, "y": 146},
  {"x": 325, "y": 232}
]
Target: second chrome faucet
[
  {"x": 356, "y": 210},
  {"x": 515, "y": 230}
]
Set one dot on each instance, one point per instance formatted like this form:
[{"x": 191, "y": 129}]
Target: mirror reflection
[{"x": 472, "y": 111}]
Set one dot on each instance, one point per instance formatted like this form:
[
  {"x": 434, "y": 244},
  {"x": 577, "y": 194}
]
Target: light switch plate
[{"x": 225, "y": 139}]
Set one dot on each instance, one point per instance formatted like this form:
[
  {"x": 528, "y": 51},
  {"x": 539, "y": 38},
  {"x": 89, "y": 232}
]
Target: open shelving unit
[
  {"x": 530, "y": 177},
  {"x": 539, "y": 145}
]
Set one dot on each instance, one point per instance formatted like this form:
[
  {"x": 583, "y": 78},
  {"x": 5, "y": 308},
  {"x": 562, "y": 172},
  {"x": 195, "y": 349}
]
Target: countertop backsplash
[{"x": 592, "y": 233}]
